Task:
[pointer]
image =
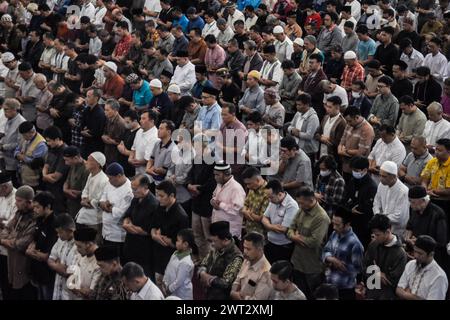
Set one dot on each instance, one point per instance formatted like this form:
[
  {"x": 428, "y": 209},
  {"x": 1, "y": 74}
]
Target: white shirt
[
  {"x": 436, "y": 130},
  {"x": 356, "y": 9},
  {"x": 429, "y": 283},
  {"x": 281, "y": 214},
  {"x": 152, "y": 5},
  {"x": 3, "y": 72},
  {"x": 148, "y": 292},
  {"x": 89, "y": 273},
  {"x": 343, "y": 21},
  {"x": 326, "y": 132},
  {"x": 394, "y": 203},
  {"x": 338, "y": 92},
  {"x": 3, "y": 120},
  {"x": 178, "y": 277},
  {"x": 414, "y": 61},
  {"x": 7, "y": 210},
  {"x": 437, "y": 65},
  {"x": 88, "y": 10},
  {"x": 277, "y": 74},
  {"x": 250, "y": 22},
  {"x": 210, "y": 28},
  {"x": 394, "y": 151},
  {"x": 184, "y": 77},
  {"x": 120, "y": 199},
  {"x": 66, "y": 253},
  {"x": 284, "y": 49},
  {"x": 93, "y": 190},
  {"x": 95, "y": 46},
  {"x": 235, "y": 17},
  {"x": 143, "y": 145},
  {"x": 100, "y": 13}
]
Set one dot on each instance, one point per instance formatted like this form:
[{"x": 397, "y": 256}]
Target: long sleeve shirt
[
  {"x": 231, "y": 196},
  {"x": 393, "y": 202},
  {"x": 93, "y": 191},
  {"x": 120, "y": 199},
  {"x": 259, "y": 273},
  {"x": 184, "y": 77},
  {"x": 178, "y": 275},
  {"x": 385, "y": 109},
  {"x": 437, "y": 64},
  {"x": 394, "y": 151}
]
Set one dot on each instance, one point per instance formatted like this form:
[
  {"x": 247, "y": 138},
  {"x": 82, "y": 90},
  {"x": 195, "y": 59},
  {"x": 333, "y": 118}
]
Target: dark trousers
[
  {"x": 45, "y": 291},
  {"x": 308, "y": 282},
  {"x": 27, "y": 292},
  {"x": 115, "y": 244},
  {"x": 274, "y": 252},
  {"x": 4, "y": 282},
  {"x": 347, "y": 294},
  {"x": 14, "y": 178}
]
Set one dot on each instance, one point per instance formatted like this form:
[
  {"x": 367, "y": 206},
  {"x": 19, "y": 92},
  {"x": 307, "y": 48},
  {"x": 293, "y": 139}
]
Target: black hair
[
  {"x": 329, "y": 162},
  {"x": 256, "y": 238},
  {"x": 335, "y": 100},
  {"x": 53, "y": 133},
  {"x": 327, "y": 291},
  {"x": 167, "y": 187},
  {"x": 304, "y": 98},
  {"x": 380, "y": 222},
  {"x": 387, "y": 128},
  {"x": 169, "y": 124},
  {"x": 287, "y": 64},
  {"x": 255, "y": 117},
  {"x": 342, "y": 212},
  {"x": 445, "y": 143},
  {"x": 406, "y": 99},
  {"x": 45, "y": 199},
  {"x": 359, "y": 163},
  {"x": 250, "y": 172},
  {"x": 283, "y": 269},
  {"x": 133, "y": 115},
  {"x": 305, "y": 192},
  {"x": 352, "y": 111}
]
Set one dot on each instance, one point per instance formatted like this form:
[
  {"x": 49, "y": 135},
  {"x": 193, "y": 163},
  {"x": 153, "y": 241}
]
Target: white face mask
[
  {"x": 356, "y": 95},
  {"x": 358, "y": 175},
  {"x": 325, "y": 173}
]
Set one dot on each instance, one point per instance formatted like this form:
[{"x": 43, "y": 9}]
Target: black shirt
[
  {"x": 64, "y": 103},
  {"x": 44, "y": 237},
  {"x": 427, "y": 92},
  {"x": 108, "y": 47},
  {"x": 334, "y": 69},
  {"x": 431, "y": 222},
  {"x": 73, "y": 70},
  {"x": 94, "y": 120},
  {"x": 128, "y": 140},
  {"x": 387, "y": 56},
  {"x": 402, "y": 88},
  {"x": 413, "y": 36},
  {"x": 55, "y": 162}
]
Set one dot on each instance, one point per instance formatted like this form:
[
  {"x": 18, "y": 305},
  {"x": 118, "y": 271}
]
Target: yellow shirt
[{"x": 438, "y": 174}]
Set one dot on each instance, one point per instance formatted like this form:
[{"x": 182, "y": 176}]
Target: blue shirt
[
  {"x": 182, "y": 22},
  {"x": 210, "y": 117},
  {"x": 197, "y": 89},
  {"x": 39, "y": 152},
  {"x": 197, "y": 23},
  {"x": 142, "y": 96},
  {"x": 349, "y": 250},
  {"x": 366, "y": 49},
  {"x": 241, "y": 4}
]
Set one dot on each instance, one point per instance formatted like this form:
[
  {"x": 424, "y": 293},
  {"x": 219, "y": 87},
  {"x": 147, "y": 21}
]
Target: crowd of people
[{"x": 213, "y": 149}]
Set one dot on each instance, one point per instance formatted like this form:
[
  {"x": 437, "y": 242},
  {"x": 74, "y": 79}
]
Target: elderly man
[
  {"x": 43, "y": 99},
  {"x": 16, "y": 237},
  {"x": 11, "y": 139},
  {"x": 271, "y": 72},
  {"x": 114, "y": 202},
  {"x": 30, "y": 153},
  {"x": 391, "y": 198},
  {"x": 90, "y": 214},
  {"x": 114, "y": 83},
  {"x": 12, "y": 79},
  {"x": 414, "y": 163},
  {"x": 228, "y": 199},
  {"x": 253, "y": 281},
  {"x": 184, "y": 74},
  {"x": 275, "y": 112},
  {"x": 7, "y": 210},
  {"x": 353, "y": 70},
  {"x": 92, "y": 123},
  {"x": 283, "y": 45},
  {"x": 218, "y": 275},
  {"x": 253, "y": 98},
  {"x": 27, "y": 92},
  {"x": 436, "y": 127},
  {"x": 114, "y": 130},
  {"x": 135, "y": 280}
]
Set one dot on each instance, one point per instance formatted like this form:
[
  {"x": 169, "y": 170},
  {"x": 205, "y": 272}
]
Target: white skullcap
[
  {"x": 99, "y": 157},
  {"x": 278, "y": 29},
  {"x": 7, "y": 57},
  {"x": 349, "y": 55},
  {"x": 389, "y": 167},
  {"x": 299, "y": 41},
  {"x": 173, "y": 88},
  {"x": 111, "y": 65},
  {"x": 155, "y": 83}
]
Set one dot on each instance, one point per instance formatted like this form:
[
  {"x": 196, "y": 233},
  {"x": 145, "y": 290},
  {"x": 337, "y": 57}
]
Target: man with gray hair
[
  {"x": 414, "y": 163},
  {"x": 135, "y": 280},
  {"x": 114, "y": 130},
  {"x": 27, "y": 92},
  {"x": 7, "y": 209},
  {"x": 225, "y": 34},
  {"x": 10, "y": 140},
  {"x": 436, "y": 127},
  {"x": 43, "y": 99},
  {"x": 274, "y": 114}
]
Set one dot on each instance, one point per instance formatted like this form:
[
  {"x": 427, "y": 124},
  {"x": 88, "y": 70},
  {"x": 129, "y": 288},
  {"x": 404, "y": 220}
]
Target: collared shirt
[
  {"x": 297, "y": 294},
  {"x": 434, "y": 131},
  {"x": 385, "y": 109},
  {"x": 348, "y": 249},
  {"x": 313, "y": 226},
  {"x": 231, "y": 196},
  {"x": 281, "y": 214},
  {"x": 178, "y": 276},
  {"x": 284, "y": 49},
  {"x": 272, "y": 71},
  {"x": 257, "y": 202},
  {"x": 298, "y": 169},
  {"x": 189, "y": 118},
  {"x": 332, "y": 187},
  {"x": 148, "y": 292},
  {"x": 93, "y": 190},
  {"x": 429, "y": 283},
  {"x": 143, "y": 145},
  {"x": 438, "y": 174},
  {"x": 143, "y": 95},
  {"x": 253, "y": 98},
  {"x": 210, "y": 28},
  {"x": 210, "y": 117},
  {"x": 327, "y": 132},
  {"x": 162, "y": 158},
  {"x": 415, "y": 165},
  {"x": 224, "y": 36},
  {"x": 394, "y": 151},
  {"x": 120, "y": 199},
  {"x": 338, "y": 92},
  {"x": 66, "y": 253},
  {"x": 350, "y": 74},
  {"x": 413, "y": 61},
  {"x": 89, "y": 273},
  {"x": 437, "y": 64},
  {"x": 394, "y": 203},
  {"x": 122, "y": 46},
  {"x": 254, "y": 281},
  {"x": 184, "y": 77},
  {"x": 411, "y": 124}
]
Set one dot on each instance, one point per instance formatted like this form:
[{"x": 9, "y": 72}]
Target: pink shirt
[
  {"x": 231, "y": 196},
  {"x": 445, "y": 101}
]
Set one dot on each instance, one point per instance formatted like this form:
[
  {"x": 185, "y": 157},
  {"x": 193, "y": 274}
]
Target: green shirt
[
  {"x": 313, "y": 226},
  {"x": 257, "y": 202}
]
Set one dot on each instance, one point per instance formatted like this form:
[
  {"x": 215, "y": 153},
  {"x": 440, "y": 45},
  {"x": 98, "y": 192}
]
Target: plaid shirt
[
  {"x": 257, "y": 202},
  {"x": 351, "y": 74},
  {"x": 77, "y": 138},
  {"x": 333, "y": 188},
  {"x": 350, "y": 251}
]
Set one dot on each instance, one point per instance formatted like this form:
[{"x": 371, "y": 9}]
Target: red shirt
[
  {"x": 314, "y": 18},
  {"x": 351, "y": 74},
  {"x": 123, "y": 46}
]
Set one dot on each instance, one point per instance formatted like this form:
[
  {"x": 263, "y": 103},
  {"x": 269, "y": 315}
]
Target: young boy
[
  {"x": 64, "y": 253},
  {"x": 177, "y": 279}
]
